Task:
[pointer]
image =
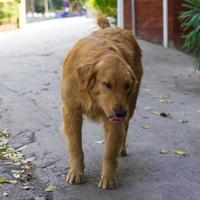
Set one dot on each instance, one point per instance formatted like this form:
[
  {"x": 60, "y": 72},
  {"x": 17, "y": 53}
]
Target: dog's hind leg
[{"x": 72, "y": 128}]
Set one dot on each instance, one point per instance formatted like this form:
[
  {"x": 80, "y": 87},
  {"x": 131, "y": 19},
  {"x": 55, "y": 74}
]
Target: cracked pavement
[{"x": 30, "y": 66}]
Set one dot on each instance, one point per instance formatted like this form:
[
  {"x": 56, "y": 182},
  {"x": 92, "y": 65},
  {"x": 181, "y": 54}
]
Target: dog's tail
[{"x": 102, "y": 21}]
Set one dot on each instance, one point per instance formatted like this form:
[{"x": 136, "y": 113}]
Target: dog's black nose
[{"x": 120, "y": 112}]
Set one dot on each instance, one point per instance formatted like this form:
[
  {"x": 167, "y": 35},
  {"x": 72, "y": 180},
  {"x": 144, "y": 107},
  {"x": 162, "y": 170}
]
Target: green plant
[
  {"x": 108, "y": 8},
  {"x": 190, "y": 22},
  {"x": 9, "y": 12}
]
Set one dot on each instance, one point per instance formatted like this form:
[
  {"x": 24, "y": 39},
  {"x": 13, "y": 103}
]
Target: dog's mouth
[{"x": 115, "y": 119}]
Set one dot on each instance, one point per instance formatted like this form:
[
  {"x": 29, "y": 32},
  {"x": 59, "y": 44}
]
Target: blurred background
[{"x": 168, "y": 22}]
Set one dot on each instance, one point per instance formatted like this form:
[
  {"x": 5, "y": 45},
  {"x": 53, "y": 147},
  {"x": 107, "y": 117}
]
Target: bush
[
  {"x": 9, "y": 12},
  {"x": 108, "y": 8},
  {"x": 56, "y": 5},
  {"x": 190, "y": 22}
]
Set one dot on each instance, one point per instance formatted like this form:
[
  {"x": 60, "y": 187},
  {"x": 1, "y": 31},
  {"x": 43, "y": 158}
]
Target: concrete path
[{"x": 30, "y": 66}]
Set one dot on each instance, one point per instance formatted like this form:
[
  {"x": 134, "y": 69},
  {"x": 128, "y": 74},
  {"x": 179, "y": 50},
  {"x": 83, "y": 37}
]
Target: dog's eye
[{"x": 108, "y": 85}]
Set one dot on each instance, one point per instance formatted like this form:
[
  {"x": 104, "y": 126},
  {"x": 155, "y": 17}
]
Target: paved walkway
[{"x": 30, "y": 65}]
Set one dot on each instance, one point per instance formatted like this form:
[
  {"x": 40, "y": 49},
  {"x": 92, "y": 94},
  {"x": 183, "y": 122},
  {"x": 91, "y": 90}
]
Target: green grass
[{"x": 108, "y": 8}]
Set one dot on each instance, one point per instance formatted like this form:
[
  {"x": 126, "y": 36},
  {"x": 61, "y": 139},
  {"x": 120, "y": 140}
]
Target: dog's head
[{"x": 109, "y": 81}]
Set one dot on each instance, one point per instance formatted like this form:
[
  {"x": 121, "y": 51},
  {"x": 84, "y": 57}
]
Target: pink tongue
[{"x": 116, "y": 119}]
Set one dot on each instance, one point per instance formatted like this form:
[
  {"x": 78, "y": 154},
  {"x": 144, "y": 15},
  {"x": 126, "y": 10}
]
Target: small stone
[
  {"x": 5, "y": 194},
  {"x": 27, "y": 187},
  {"x": 163, "y": 114}
]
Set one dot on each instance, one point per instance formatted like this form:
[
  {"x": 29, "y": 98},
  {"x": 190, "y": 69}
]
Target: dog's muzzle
[{"x": 118, "y": 116}]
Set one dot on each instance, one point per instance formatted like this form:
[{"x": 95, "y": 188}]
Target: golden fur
[{"x": 101, "y": 73}]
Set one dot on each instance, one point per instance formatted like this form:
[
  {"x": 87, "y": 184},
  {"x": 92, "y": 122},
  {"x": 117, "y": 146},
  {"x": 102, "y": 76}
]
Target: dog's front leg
[
  {"x": 113, "y": 142},
  {"x": 72, "y": 128},
  {"x": 123, "y": 151}
]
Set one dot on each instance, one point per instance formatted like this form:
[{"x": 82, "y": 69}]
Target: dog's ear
[
  {"x": 86, "y": 75},
  {"x": 135, "y": 82}
]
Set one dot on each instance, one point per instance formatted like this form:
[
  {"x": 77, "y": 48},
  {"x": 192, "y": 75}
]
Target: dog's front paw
[
  {"x": 107, "y": 182},
  {"x": 75, "y": 177}
]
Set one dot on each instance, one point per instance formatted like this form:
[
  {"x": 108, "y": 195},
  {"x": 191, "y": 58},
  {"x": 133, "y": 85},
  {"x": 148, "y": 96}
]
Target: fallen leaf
[
  {"x": 12, "y": 154},
  {"x": 50, "y": 188},
  {"x": 155, "y": 113},
  {"x": 164, "y": 151},
  {"x": 2, "y": 158},
  {"x": 4, "y": 181},
  {"x": 179, "y": 152},
  {"x": 4, "y": 133},
  {"x": 146, "y": 127},
  {"x": 31, "y": 159},
  {"x": 147, "y": 107},
  {"x": 164, "y": 99}
]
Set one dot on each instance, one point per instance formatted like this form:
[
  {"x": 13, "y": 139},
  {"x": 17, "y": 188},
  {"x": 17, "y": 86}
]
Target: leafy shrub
[
  {"x": 108, "y": 8},
  {"x": 9, "y": 12},
  {"x": 190, "y": 22},
  {"x": 56, "y": 5}
]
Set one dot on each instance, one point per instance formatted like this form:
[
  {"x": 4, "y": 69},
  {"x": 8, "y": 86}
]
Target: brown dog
[{"x": 101, "y": 79}]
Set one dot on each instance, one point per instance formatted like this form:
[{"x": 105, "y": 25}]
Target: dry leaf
[
  {"x": 179, "y": 152},
  {"x": 147, "y": 107},
  {"x": 4, "y": 133},
  {"x": 31, "y": 159},
  {"x": 164, "y": 99},
  {"x": 146, "y": 126},
  {"x": 155, "y": 113},
  {"x": 50, "y": 188},
  {"x": 4, "y": 181}
]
